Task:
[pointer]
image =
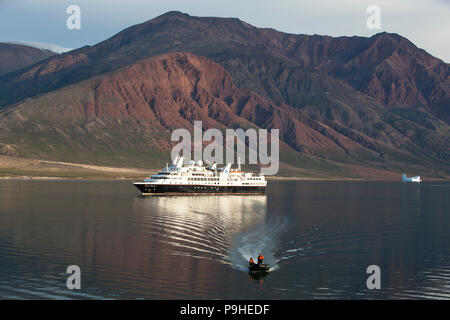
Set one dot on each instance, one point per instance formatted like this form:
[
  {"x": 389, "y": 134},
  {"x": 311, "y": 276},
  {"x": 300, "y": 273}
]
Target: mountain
[
  {"x": 345, "y": 102},
  {"x": 126, "y": 117},
  {"x": 386, "y": 66},
  {"x": 17, "y": 56}
]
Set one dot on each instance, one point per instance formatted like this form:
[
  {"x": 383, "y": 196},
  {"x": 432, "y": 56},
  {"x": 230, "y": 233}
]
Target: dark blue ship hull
[{"x": 186, "y": 189}]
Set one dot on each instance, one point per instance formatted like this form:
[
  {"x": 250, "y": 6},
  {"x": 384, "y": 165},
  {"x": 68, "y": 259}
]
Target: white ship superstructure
[{"x": 194, "y": 177}]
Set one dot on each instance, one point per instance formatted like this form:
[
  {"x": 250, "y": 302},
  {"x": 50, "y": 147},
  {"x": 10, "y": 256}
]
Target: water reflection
[
  {"x": 237, "y": 211},
  {"x": 224, "y": 229},
  {"x": 202, "y": 227}
]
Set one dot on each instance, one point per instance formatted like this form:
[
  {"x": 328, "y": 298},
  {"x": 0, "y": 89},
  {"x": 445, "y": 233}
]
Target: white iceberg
[{"x": 412, "y": 179}]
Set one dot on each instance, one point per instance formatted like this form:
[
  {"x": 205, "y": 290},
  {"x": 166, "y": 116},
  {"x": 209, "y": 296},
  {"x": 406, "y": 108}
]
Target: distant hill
[
  {"x": 341, "y": 104},
  {"x": 17, "y": 56}
]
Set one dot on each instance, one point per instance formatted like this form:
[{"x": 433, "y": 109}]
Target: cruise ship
[{"x": 195, "y": 178}]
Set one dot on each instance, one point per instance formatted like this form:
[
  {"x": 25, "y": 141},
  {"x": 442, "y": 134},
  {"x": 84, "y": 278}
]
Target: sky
[{"x": 424, "y": 22}]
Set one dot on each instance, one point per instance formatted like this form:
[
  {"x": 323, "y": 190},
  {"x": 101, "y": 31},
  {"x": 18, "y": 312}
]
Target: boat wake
[{"x": 262, "y": 239}]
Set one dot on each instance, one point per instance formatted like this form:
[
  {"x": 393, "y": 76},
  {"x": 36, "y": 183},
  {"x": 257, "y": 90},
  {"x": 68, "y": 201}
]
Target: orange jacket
[
  {"x": 261, "y": 257},
  {"x": 251, "y": 260}
]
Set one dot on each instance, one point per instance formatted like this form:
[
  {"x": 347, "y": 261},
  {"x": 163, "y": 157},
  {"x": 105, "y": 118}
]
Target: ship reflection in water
[{"x": 203, "y": 226}]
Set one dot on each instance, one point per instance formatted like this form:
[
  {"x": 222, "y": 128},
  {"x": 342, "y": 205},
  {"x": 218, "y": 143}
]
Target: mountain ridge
[{"x": 305, "y": 51}]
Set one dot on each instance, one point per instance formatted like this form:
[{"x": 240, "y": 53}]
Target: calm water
[{"x": 319, "y": 236}]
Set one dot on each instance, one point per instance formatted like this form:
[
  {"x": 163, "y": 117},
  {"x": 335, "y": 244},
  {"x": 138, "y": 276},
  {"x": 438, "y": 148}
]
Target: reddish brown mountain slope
[
  {"x": 398, "y": 74},
  {"x": 133, "y": 110}
]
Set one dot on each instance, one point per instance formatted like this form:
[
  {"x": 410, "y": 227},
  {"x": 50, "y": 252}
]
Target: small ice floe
[{"x": 412, "y": 179}]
